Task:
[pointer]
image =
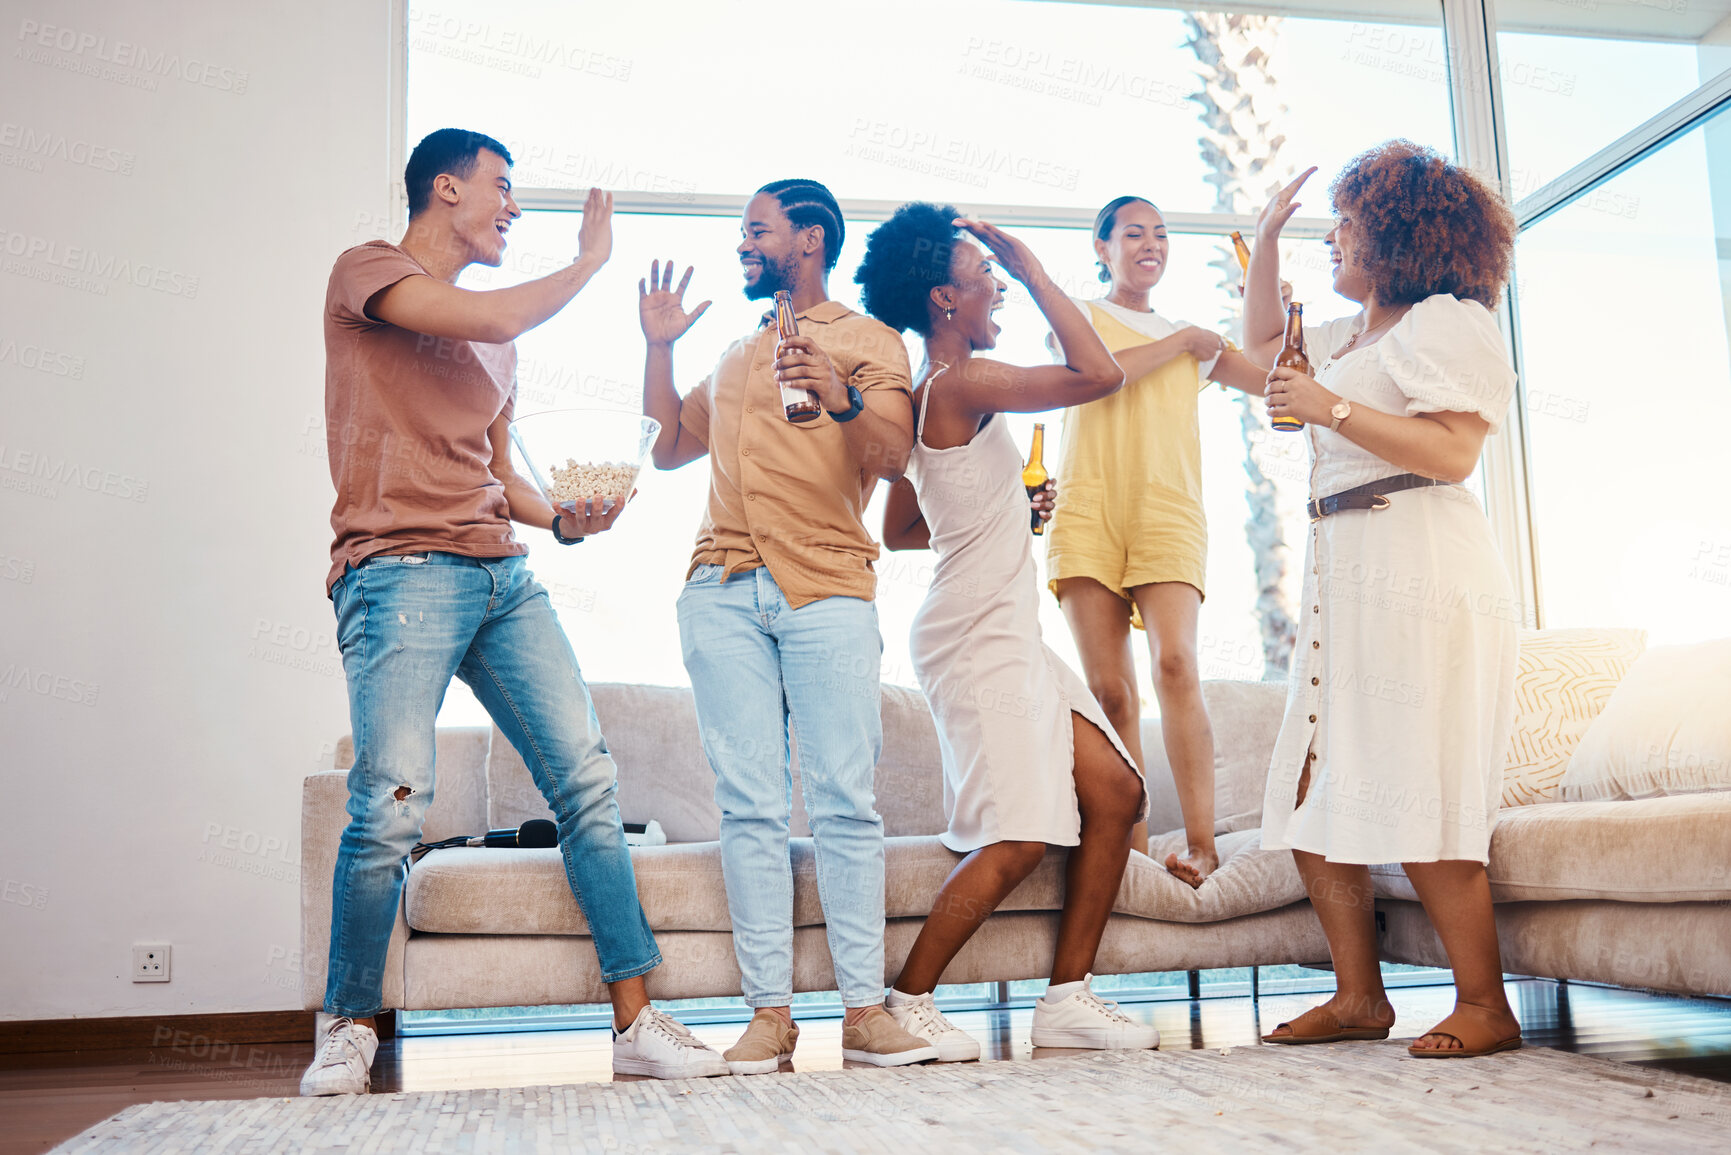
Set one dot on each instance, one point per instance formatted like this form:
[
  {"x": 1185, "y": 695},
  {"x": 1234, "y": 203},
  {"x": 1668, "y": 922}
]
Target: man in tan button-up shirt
[{"x": 777, "y": 621}]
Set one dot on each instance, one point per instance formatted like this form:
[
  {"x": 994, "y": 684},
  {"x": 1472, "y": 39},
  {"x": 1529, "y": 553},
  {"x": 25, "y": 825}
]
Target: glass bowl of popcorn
[{"x": 583, "y": 455}]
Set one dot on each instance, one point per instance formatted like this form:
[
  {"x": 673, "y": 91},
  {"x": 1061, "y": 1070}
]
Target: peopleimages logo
[
  {"x": 54, "y": 362},
  {"x": 44, "y": 469},
  {"x": 916, "y": 148},
  {"x": 48, "y": 684},
  {"x": 39, "y": 144},
  {"x": 87, "y": 46},
  {"x": 93, "y": 263},
  {"x": 518, "y": 51}
]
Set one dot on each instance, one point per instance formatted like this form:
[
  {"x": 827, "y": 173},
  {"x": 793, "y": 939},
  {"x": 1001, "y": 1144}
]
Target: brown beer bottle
[
  {"x": 1292, "y": 356},
  {"x": 1034, "y": 475},
  {"x": 1243, "y": 251},
  {"x": 801, "y": 403}
]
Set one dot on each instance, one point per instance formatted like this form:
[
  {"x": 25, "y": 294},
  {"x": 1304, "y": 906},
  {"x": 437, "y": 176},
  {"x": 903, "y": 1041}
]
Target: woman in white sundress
[
  {"x": 1401, "y": 694},
  {"x": 1030, "y": 760}
]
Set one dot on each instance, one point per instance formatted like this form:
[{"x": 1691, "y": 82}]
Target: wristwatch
[
  {"x": 559, "y": 537},
  {"x": 856, "y": 406},
  {"x": 1341, "y": 411}
]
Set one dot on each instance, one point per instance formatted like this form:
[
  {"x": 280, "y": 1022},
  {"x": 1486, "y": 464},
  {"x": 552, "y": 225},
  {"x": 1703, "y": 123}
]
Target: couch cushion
[
  {"x": 1250, "y": 879},
  {"x": 1246, "y": 720},
  {"x": 485, "y": 890},
  {"x": 1650, "y": 850},
  {"x": 1666, "y": 729},
  {"x": 664, "y": 774},
  {"x": 910, "y": 773},
  {"x": 1564, "y": 678},
  {"x": 479, "y": 890}
]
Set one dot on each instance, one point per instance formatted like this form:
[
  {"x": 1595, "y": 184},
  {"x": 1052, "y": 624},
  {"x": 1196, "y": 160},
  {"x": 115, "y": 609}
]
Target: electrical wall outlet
[{"x": 150, "y": 962}]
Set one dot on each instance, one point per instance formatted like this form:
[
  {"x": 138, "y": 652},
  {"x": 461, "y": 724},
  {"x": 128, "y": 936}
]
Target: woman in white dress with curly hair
[{"x": 1401, "y": 694}]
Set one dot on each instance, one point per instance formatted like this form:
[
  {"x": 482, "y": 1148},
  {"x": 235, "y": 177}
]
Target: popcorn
[{"x": 578, "y": 482}]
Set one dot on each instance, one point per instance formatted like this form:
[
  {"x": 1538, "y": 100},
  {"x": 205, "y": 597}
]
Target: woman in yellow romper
[{"x": 1128, "y": 543}]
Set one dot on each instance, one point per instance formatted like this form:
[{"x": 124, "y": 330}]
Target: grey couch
[{"x": 1620, "y": 892}]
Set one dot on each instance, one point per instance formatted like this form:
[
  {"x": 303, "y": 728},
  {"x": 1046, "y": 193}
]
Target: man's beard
[{"x": 774, "y": 278}]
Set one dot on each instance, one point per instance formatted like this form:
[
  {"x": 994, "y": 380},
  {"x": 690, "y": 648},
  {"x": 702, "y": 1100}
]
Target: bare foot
[
  {"x": 1351, "y": 1011},
  {"x": 1501, "y": 1020},
  {"x": 1196, "y": 865}
]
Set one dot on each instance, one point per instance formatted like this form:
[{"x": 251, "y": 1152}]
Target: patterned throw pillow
[{"x": 1564, "y": 679}]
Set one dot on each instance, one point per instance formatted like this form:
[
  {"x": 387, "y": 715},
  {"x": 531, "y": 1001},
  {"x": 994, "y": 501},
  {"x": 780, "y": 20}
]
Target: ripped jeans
[{"x": 406, "y": 624}]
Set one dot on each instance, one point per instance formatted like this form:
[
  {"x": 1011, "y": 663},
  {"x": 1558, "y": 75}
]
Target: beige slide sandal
[
  {"x": 1470, "y": 1026},
  {"x": 1319, "y": 1025}
]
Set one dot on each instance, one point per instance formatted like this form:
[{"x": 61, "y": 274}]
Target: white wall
[{"x": 166, "y": 670}]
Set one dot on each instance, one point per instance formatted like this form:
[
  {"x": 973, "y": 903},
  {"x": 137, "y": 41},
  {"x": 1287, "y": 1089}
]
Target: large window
[
  {"x": 975, "y": 101},
  {"x": 1628, "y": 377},
  {"x": 1566, "y": 96},
  {"x": 1049, "y": 109},
  {"x": 1620, "y": 162}
]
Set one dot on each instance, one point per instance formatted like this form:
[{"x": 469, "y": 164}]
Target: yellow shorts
[{"x": 1122, "y": 545}]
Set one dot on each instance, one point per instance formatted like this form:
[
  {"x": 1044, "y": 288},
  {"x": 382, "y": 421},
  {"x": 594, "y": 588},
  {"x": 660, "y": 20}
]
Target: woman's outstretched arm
[
  {"x": 1264, "y": 317},
  {"x": 1088, "y": 372}
]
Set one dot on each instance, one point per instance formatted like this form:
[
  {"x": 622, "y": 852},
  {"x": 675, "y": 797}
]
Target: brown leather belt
[{"x": 1372, "y": 496}]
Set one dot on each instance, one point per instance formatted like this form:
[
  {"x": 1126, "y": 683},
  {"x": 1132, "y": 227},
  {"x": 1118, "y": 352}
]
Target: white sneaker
[
  {"x": 343, "y": 1060},
  {"x": 919, "y": 1015},
  {"x": 658, "y": 1045},
  {"x": 1084, "y": 1019}
]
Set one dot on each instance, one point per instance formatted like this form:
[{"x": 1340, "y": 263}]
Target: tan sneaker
[
  {"x": 768, "y": 1042},
  {"x": 879, "y": 1040}
]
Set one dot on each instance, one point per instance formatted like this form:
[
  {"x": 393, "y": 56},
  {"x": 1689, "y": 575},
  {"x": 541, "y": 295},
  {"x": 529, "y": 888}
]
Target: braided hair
[{"x": 808, "y": 203}]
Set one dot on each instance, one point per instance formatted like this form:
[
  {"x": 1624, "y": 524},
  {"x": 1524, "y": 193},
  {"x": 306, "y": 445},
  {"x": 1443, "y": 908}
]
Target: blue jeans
[
  {"x": 758, "y": 668},
  {"x": 405, "y": 625}
]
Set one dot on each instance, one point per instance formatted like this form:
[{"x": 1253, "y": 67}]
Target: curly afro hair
[
  {"x": 1424, "y": 225},
  {"x": 906, "y": 258}
]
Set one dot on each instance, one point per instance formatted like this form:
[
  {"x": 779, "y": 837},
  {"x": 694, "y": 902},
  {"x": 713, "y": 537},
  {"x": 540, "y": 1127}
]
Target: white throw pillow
[
  {"x": 1564, "y": 678},
  {"x": 1666, "y": 730}
]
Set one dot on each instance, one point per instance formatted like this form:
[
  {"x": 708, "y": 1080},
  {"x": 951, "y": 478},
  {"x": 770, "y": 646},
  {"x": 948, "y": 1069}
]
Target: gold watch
[{"x": 1340, "y": 412}]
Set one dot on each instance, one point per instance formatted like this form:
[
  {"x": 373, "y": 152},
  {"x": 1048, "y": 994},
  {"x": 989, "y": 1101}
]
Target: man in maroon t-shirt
[{"x": 429, "y": 582}]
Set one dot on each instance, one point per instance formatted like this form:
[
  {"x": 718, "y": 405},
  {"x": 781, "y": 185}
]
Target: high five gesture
[
  {"x": 661, "y": 308},
  {"x": 661, "y": 312}
]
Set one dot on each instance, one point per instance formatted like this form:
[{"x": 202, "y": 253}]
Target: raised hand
[
  {"x": 661, "y": 308},
  {"x": 1279, "y": 209},
  {"x": 595, "y": 234},
  {"x": 1017, "y": 259}
]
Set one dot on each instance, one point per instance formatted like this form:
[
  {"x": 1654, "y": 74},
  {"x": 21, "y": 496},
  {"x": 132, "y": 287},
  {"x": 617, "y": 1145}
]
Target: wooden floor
[{"x": 45, "y": 1099}]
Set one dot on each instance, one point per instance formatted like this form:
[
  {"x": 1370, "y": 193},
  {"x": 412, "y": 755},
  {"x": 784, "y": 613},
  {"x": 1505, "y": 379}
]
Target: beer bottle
[
  {"x": 1034, "y": 476},
  {"x": 1243, "y": 251},
  {"x": 1292, "y": 356},
  {"x": 801, "y": 403}
]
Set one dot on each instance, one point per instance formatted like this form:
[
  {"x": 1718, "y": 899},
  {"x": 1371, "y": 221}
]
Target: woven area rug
[{"x": 1332, "y": 1099}]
